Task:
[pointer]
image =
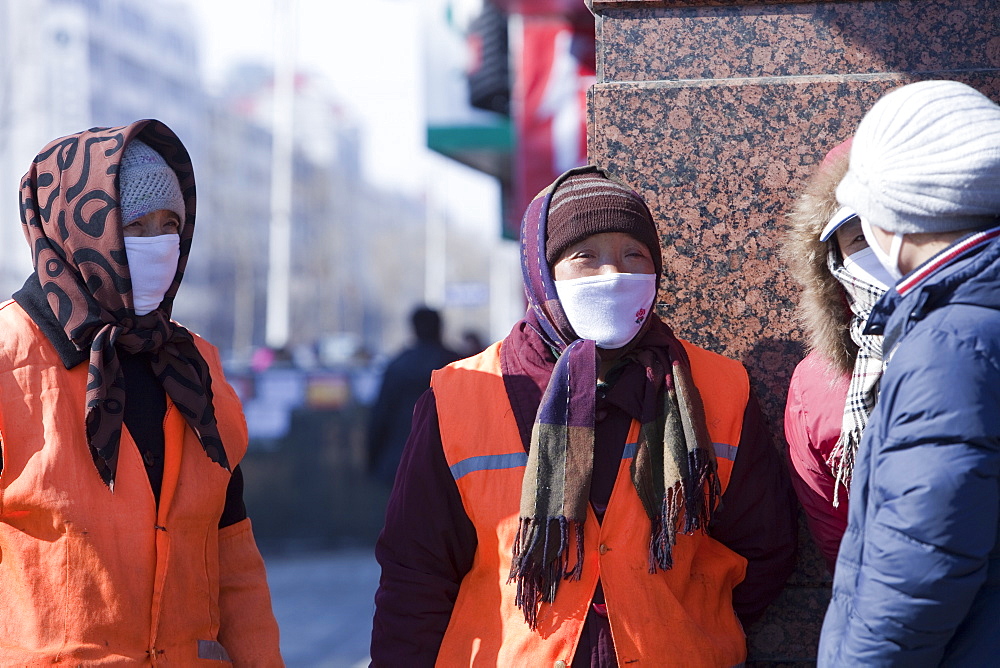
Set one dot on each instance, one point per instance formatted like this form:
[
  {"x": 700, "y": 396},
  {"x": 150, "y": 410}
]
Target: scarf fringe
[
  {"x": 699, "y": 501},
  {"x": 841, "y": 462},
  {"x": 663, "y": 532},
  {"x": 703, "y": 495},
  {"x": 539, "y": 563}
]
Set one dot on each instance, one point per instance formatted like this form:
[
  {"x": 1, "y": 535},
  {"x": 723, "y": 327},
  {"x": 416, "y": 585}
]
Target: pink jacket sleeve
[{"x": 813, "y": 416}]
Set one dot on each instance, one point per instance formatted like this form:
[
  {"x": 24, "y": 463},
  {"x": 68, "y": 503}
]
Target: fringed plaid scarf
[
  {"x": 862, "y": 393},
  {"x": 71, "y": 218},
  {"x": 673, "y": 471}
]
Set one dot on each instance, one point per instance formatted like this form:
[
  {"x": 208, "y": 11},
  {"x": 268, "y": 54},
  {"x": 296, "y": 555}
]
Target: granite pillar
[{"x": 717, "y": 112}]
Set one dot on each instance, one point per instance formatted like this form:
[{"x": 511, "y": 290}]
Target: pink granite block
[
  {"x": 717, "y": 112},
  {"x": 719, "y": 164},
  {"x": 700, "y": 42},
  {"x": 598, "y": 6},
  {"x": 719, "y": 158}
]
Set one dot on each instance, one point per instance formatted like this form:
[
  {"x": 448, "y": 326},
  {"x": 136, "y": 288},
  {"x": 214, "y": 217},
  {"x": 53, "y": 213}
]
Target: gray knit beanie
[
  {"x": 926, "y": 158},
  {"x": 147, "y": 183}
]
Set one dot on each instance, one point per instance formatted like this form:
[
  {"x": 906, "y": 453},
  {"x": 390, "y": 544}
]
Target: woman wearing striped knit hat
[{"x": 591, "y": 490}]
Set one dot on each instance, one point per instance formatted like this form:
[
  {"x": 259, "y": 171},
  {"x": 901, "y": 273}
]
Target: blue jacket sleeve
[{"x": 932, "y": 503}]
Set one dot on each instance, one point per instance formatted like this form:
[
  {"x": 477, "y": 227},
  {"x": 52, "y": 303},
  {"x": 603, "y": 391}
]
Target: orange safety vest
[
  {"x": 90, "y": 576},
  {"x": 679, "y": 617}
]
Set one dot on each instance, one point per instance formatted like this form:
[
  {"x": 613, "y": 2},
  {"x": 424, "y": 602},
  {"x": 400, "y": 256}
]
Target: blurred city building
[
  {"x": 66, "y": 65},
  {"x": 361, "y": 255},
  {"x": 358, "y": 252}
]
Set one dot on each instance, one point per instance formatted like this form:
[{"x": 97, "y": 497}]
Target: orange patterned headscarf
[{"x": 72, "y": 220}]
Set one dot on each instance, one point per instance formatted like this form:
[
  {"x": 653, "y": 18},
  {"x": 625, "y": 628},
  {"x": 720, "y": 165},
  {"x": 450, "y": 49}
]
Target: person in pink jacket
[{"x": 833, "y": 389}]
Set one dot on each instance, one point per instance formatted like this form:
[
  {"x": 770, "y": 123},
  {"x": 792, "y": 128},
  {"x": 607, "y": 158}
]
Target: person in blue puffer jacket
[{"x": 918, "y": 575}]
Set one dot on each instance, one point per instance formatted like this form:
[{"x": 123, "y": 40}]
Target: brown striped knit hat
[{"x": 589, "y": 202}]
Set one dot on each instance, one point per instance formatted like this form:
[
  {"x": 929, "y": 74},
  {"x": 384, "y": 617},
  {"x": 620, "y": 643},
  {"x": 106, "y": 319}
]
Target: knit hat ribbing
[
  {"x": 146, "y": 183},
  {"x": 591, "y": 203},
  {"x": 926, "y": 158}
]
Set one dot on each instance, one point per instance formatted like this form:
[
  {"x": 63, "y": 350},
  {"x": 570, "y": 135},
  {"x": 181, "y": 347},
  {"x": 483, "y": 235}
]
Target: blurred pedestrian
[
  {"x": 918, "y": 575},
  {"x": 590, "y": 491},
  {"x": 833, "y": 390},
  {"x": 472, "y": 343},
  {"x": 123, "y": 534},
  {"x": 407, "y": 376}
]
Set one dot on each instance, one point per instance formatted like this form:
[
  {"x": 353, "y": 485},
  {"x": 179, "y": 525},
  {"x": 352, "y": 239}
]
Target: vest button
[
  {"x": 603, "y": 548},
  {"x": 560, "y": 664}
]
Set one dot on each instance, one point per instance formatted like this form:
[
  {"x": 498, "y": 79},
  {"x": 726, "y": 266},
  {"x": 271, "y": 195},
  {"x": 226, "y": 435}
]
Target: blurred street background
[
  {"x": 353, "y": 160},
  {"x": 324, "y": 604}
]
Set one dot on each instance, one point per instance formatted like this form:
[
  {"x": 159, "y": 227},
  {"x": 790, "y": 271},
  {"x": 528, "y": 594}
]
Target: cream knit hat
[
  {"x": 147, "y": 183},
  {"x": 926, "y": 158}
]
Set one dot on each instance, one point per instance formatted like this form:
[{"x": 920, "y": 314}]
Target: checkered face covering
[{"x": 862, "y": 392}]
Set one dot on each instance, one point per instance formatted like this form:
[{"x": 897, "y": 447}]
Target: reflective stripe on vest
[
  {"x": 515, "y": 459},
  {"x": 682, "y": 616}
]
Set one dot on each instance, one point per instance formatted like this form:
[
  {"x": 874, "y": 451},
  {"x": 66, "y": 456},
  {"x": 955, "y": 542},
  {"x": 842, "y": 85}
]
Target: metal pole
[{"x": 280, "y": 237}]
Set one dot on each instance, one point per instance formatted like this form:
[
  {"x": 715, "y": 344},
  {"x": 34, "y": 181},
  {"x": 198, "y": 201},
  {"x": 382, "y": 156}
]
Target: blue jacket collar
[{"x": 968, "y": 272}]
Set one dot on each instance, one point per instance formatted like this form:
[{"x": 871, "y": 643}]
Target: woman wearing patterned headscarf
[
  {"x": 590, "y": 490},
  {"x": 123, "y": 534},
  {"x": 834, "y": 388}
]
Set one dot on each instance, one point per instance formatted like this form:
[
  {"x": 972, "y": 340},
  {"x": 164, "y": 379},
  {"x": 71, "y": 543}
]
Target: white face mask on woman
[
  {"x": 152, "y": 261},
  {"x": 890, "y": 260},
  {"x": 607, "y": 308},
  {"x": 865, "y": 265}
]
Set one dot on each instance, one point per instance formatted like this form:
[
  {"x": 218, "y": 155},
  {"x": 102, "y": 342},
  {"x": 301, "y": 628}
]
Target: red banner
[{"x": 553, "y": 70}]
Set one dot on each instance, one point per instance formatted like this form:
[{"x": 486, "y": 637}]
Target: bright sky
[{"x": 370, "y": 51}]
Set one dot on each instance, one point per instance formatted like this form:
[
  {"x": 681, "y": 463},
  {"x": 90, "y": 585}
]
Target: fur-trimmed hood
[{"x": 822, "y": 310}]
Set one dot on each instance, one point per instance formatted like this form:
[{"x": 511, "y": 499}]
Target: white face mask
[
  {"x": 888, "y": 260},
  {"x": 865, "y": 265},
  {"x": 608, "y": 308},
  {"x": 152, "y": 261}
]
